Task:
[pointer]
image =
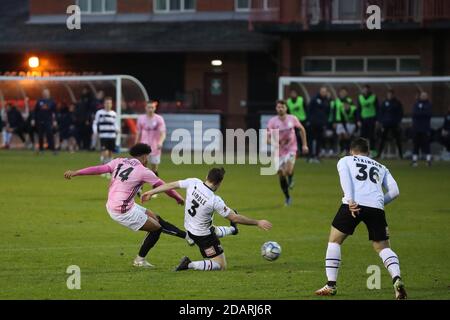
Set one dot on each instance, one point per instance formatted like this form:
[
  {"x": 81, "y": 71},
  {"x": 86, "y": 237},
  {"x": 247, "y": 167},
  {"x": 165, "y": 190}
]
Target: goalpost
[
  {"x": 406, "y": 90},
  {"x": 128, "y": 92}
]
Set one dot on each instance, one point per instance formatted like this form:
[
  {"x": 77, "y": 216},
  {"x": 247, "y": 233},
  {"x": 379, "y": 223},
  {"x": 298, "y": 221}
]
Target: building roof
[{"x": 19, "y": 33}]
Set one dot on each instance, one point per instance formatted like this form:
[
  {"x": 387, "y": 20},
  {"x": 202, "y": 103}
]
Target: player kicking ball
[
  {"x": 287, "y": 143},
  {"x": 201, "y": 203},
  {"x": 127, "y": 177},
  {"x": 362, "y": 181}
]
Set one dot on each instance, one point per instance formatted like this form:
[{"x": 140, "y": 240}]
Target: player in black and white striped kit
[
  {"x": 106, "y": 128},
  {"x": 363, "y": 180}
]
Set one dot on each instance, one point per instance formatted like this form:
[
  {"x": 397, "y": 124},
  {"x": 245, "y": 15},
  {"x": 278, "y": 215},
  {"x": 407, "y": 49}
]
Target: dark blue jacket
[
  {"x": 66, "y": 120},
  {"x": 318, "y": 111},
  {"x": 44, "y": 111},
  {"x": 15, "y": 119},
  {"x": 446, "y": 125},
  {"x": 421, "y": 116},
  {"x": 390, "y": 113}
]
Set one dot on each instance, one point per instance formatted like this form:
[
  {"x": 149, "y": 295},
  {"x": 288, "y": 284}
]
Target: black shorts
[
  {"x": 108, "y": 144},
  {"x": 209, "y": 245},
  {"x": 375, "y": 220}
]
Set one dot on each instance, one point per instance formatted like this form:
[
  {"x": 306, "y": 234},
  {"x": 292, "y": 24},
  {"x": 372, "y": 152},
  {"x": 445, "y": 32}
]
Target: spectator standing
[
  {"x": 445, "y": 132},
  {"x": 67, "y": 129},
  {"x": 83, "y": 116},
  {"x": 296, "y": 107},
  {"x": 14, "y": 125},
  {"x": 344, "y": 119},
  {"x": 421, "y": 128},
  {"x": 390, "y": 118},
  {"x": 368, "y": 108},
  {"x": 44, "y": 120},
  {"x": 318, "y": 113}
]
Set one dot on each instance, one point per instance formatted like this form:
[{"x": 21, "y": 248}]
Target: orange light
[{"x": 33, "y": 62}]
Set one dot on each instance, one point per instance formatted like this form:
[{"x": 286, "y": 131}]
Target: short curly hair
[{"x": 140, "y": 149}]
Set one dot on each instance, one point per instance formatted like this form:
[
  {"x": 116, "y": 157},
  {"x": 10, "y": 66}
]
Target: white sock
[
  {"x": 7, "y": 138},
  {"x": 428, "y": 157},
  {"x": 102, "y": 159},
  {"x": 204, "y": 265},
  {"x": 333, "y": 261},
  {"x": 415, "y": 157},
  {"x": 391, "y": 262},
  {"x": 223, "y": 231}
]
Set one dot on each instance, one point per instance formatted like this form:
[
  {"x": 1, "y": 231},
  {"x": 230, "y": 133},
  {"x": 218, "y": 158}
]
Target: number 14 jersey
[
  {"x": 201, "y": 203},
  {"x": 362, "y": 180},
  {"x": 128, "y": 176}
]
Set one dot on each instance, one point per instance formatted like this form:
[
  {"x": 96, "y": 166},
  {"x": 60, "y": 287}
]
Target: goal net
[
  {"x": 128, "y": 94},
  {"x": 406, "y": 89}
]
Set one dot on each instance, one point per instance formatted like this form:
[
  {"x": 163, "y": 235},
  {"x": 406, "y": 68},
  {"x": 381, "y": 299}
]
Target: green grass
[{"x": 48, "y": 224}]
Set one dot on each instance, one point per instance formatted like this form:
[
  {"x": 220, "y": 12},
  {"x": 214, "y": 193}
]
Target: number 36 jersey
[
  {"x": 362, "y": 180},
  {"x": 201, "y": 203}
]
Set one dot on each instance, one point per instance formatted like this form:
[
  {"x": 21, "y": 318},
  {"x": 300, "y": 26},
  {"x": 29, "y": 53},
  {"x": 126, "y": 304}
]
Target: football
[{"x": 271, "y": 250}]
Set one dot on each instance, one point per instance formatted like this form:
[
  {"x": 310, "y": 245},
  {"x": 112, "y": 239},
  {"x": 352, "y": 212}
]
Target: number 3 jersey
[
  {"x": 201, "y": 203},
  {"x": 127, "y": 177},
  {"x": 363, "y": 179}
]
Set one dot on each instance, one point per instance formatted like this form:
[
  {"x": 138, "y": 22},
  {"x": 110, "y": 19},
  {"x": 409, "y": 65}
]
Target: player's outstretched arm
[
  {"x": 238, "y": 218},
  {"x": 87, "y": 171},
  {"x": 146, "y": 196},
  {"x": 171, "y": 192}
]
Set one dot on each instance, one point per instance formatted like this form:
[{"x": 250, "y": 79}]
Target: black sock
[
  {"x": 284, "y": 186},
  {"x": 395, "y": 279},
  {"x": 170, "y": 229},
  {"x": 149, "y": 242},
  {"x": 290, "y": 178},
  {"x": 331, "y": 283}
]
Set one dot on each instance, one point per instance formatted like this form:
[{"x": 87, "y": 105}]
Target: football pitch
[{"x": 48, "y": 224}]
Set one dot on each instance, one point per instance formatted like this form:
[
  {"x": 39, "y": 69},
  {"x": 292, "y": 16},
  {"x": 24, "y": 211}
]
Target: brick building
[{"x": 172, "y": 46}]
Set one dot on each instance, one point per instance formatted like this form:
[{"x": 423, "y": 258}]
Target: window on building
[
  {"x": 265, "y": 5},
  {"x": 318, "y": 65},
  {"x": 98, "y": 6},
  {"x": 377, "y": 65},
  {"x": 381, "y": 65},
  {"x": 243, "y": 5},
  {"x": 349, "y": 65},
  {"x": 174, "y": 5},
  {"x": 347, "y": 10},
  {"x": 410, "y": 65}
]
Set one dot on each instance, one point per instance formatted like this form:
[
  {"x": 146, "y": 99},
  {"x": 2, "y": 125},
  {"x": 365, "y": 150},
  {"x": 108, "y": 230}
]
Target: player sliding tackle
[
  {"x": 362, "y": 181},
  {"x": 128, "y": 176},
  {"x": 201, "y": 203},
  {"x": 286, "y": 124}
]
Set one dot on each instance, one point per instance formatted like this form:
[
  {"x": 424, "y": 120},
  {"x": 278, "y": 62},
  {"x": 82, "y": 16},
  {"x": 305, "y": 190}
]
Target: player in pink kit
[
  {"x": 151, "y": 129},
  {"x": 285, "y": 124},
  {"x": 128, "y": 176}
]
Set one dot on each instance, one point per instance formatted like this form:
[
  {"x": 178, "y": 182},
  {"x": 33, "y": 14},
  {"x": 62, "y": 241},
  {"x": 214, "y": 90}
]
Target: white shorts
[
  {"x": 134, "y": 219},
  {"x": 290, "y": 157},
  {"x": 351, "y": 128},
  {"x": 154, "y": 159}
]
